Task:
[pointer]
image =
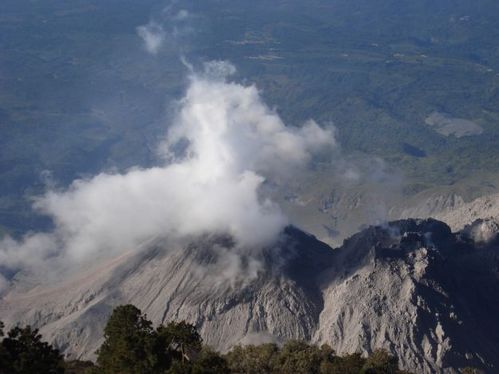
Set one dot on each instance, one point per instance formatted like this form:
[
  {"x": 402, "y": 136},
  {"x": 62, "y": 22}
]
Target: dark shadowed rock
[{"x": 417, "y": 290}]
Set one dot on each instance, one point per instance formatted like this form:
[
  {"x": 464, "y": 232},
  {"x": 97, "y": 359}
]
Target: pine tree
[
  {"x": 180, "y": 339},
  {"x": 129, "y": 343},
  {"x": 23, "y": 351}
]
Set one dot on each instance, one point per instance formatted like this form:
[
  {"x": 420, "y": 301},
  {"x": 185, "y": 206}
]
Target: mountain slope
[
  {"x": 418, "y": 290},
  {"x": 411, "y": 286},
  {"x": 484, "y": 207},
  {"x": 201, "y": 281}
]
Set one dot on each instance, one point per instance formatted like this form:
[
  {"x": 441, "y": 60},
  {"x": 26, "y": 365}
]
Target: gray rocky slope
[{"x": 411, "y": 286}]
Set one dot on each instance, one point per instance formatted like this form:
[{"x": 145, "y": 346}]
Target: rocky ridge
[
  {"x": 422, "y": 292},
  {"x": 410, "y": 286}
]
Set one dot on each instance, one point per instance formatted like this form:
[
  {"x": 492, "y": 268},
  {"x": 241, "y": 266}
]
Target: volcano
[{"x": 412, "y": 287}]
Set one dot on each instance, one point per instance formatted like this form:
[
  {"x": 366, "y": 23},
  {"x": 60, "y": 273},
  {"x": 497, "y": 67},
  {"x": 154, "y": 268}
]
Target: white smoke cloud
[
  {"x": 153, "y": 36},
  {"x": 222, "y": 146},
  {"x": 173, "y": 27},
  {"x": 181, "y": 15}
]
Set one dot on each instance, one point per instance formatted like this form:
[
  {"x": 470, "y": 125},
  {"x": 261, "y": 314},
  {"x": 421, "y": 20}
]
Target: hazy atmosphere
[{"x": 268, "y": 172}]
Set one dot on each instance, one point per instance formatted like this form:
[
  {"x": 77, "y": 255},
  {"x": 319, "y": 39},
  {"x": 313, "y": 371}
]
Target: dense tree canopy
[
  {"x": 300, "y": 357},
  {"x": 253, "y": 359},
  {"x": 380, "y": 362},
  {"x": 23, "y": 351},
  {"x": 129, "y": 343},
  {"x": 180, "y": 340},
  {"x": 132, "y": 346}
]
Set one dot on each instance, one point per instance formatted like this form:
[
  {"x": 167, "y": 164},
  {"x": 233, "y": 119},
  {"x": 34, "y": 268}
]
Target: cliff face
[
  {"x": 411, "y": 286},
  {"x": 418, "y": 290}
]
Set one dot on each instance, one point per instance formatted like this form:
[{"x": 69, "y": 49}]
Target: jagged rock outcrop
[
  {"x": 485, "y": 207},
  {"x": 482, "y": 232},
  {"x": 410, "y": 286},
  {"x": 418, "y": 290}
]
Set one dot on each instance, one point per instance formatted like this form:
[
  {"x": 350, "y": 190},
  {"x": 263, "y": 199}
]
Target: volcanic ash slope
[{"x": 413, "y": 287}]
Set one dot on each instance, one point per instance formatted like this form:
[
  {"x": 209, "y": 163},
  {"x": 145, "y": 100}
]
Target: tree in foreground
[
  {"x": 128, "y": 343},
  {"x": 79, "y": 367},
  {"x": 23, "y": 351},
  {"x": 300, "y": 357},
  {"x": 132, "y": 346},
  {"x": 348, "y": 364},
  {"x": 380, "y": 362},
  {"x": 210, "y": 362},
  {"x": 180, "y": 340},
  {"x": 253, "y": 359}
]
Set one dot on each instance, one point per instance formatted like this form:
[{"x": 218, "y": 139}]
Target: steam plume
[
  {"x": 153, "y": 36},
  {"x": 222, "y": 146}
]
